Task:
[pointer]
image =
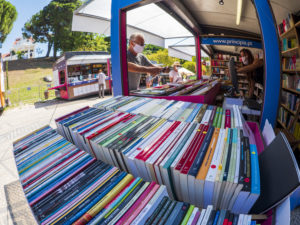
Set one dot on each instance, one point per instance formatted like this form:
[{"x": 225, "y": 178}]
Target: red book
[
  {"x": 227, "y": 119},
  {"x": 187, "y": 152},
  {"x": 146, "y": 153},
  {"x": 194, "y": 152}
]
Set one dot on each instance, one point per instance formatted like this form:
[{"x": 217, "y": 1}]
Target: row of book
[
  {"x": 195, "y": 88},
  {"x": 291, "y": 81},
  {"x": 219, "y": 56},
  {"x": 219, "y": 63},
  {"x": 296, "y": 131},
  {"x": 202, "y": 164},
  {"x": 290, "y": 100},
  {"x": 287, "y": 23},
  {"x": 291, "y": 63},
  {"x": 216, "y": 70},
  {"x": 285, "y": 117},
  {"x": 288, "y": 43},
  {"x": 65, "y": 185}
]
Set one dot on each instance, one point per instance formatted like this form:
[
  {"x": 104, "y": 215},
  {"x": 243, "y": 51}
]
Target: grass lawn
[{"x": 27, "y": 86}]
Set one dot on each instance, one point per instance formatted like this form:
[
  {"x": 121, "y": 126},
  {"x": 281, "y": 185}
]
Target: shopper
[
  {"x": 148, "y": 80},
  {"x": 138, "y": 63},
  {"x": 174, "y": 74},
  {"x": 254, "y": 68},
  {"x": 156, "y": 80},
  {"x": 101, "y": 81}
]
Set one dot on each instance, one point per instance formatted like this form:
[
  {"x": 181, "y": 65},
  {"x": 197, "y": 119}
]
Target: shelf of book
[
  {"x": 287, "y": 108},
  {"x": 289, "y": 33},
  {"x": 291, "y": 51},
  {"x": 291, "y": 90},
  {"x": 291, "y": 71},
  {"x": 224, "y": 67}
]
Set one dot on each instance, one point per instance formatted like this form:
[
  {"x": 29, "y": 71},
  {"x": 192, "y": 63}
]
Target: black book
[
  {"x": 167, "y": 213},
  {"x": 279, "y": 172},
  {"x": 212, "y": 217},
  {"x": 156, "y": 211},
  {"x": 162, "y": 212}
]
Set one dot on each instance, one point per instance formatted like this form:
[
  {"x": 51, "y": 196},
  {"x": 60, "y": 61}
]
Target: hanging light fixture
[
  {"x": 239, "y": 11},
  {"x": 221, "y": 2}
]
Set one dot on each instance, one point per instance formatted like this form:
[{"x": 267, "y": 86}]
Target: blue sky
[{"x": 25, "y": 9}]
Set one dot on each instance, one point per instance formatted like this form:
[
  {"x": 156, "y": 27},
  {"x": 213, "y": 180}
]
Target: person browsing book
[
  {"x": 174, "y": 74},
  {"x": 254, "y": 68},
  {"x": 138, "y": 63}
]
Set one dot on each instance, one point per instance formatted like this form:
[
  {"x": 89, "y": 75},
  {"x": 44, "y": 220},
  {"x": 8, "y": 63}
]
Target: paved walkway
[{"x": 18, "y": 122}]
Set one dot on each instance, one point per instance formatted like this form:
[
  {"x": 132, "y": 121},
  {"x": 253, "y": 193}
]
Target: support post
[
  {"x": 198, "y": 57},
  {"x": 272, "y": 61}
]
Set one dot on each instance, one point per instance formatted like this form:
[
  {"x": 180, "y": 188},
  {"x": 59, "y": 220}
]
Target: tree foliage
[
  {"x": 162, "y": 57},
  {"x": 150, "y": 49},
  {"x": 8, "y": 15},
  {"x": 53, "y": 25}
]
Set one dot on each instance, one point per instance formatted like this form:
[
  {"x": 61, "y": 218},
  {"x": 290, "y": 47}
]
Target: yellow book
[{"x": 101, "y": 204}]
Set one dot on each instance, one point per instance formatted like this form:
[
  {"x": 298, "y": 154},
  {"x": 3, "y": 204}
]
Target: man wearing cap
[
  {"x": 174, "y": 75},
  {"x": 137, "y": 62}
]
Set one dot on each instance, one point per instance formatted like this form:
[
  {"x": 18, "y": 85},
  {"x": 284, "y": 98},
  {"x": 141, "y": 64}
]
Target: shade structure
[{"x": 87, "y": 59}]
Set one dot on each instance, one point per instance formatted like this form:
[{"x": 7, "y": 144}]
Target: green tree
[
  {"x": 190, "y": 66},
  {"x": 162, "y": 57},
  {"x": 91, "y": 42},
  {"x": 8, "y": 15},
  {"x": 20, "y": 54},
  {"x": 150, "y": 49},
  {"x": 39, "y": 28}
]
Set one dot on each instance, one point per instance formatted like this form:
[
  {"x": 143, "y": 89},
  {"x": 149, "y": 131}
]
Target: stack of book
[
  {"x": 192, "y": 88},
  {"x": 205, "y": 155},
  {"x": 64, "y": 185}
]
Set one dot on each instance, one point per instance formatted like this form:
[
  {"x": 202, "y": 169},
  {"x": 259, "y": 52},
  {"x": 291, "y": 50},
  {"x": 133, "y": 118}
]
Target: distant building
[{"x": 24, "y": 46}]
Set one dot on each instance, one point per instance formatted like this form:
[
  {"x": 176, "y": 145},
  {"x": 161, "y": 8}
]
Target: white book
[
  {"x": 152, "y": 159},
  {"x": 151, "y": 206},
  {"x": 163, "y": 168},
  {"x": 175, "y": 173},
  {"x": 207, "y": 215},
  {"x": 140, "y": 163},
  {"x": 206, "y": 117},
  {"x": 203, "y": 211},
  {"x": 241, "y": 219},
  {"x": 212, "y": 172}
]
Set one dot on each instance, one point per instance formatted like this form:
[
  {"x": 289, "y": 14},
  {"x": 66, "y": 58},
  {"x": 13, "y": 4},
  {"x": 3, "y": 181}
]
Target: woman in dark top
[{"x": 254, "y": 68}]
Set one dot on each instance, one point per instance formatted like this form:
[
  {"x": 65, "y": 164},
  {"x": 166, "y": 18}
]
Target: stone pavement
[{"x": 18, "y": 122}]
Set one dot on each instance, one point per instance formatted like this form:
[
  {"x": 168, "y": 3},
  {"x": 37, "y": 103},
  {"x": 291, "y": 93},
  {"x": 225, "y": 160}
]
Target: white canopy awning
[
  {"x": 95, "y": 17},
  {"x": 87, "y": 59}
]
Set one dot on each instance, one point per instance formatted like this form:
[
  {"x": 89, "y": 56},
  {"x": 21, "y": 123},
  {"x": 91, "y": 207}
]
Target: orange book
[{"x": 200, "y": 178}]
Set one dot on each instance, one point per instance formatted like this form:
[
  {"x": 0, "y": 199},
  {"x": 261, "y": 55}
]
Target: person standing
[
  {"x": 138, "y": 63},
  {"x": 174, "y": 75},
  {"x": 101, "y": 82}
]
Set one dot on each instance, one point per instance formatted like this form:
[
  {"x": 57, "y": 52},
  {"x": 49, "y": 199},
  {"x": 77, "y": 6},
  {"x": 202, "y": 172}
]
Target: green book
[
  {"x": 216, "y": 117},
  {"x": 219, "y": 123},
  {"x": 187, "y": 215}
]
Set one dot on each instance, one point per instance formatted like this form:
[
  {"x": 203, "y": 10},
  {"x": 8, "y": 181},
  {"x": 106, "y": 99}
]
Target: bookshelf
[
  {"x": 289, "y": 107},
  {"x": 219, "y": 63}
]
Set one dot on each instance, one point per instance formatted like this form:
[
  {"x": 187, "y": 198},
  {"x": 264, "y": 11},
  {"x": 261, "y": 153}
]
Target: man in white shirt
[
  {"x": 174, "y": 75},
  {"x": 101, "y": 81}
]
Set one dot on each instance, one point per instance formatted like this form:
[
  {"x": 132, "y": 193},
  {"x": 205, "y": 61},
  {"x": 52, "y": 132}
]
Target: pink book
[
  {"x": 227, "y": 119},
  {"x": 142, "y": 205},
  {"x": 132, "y": 209}
]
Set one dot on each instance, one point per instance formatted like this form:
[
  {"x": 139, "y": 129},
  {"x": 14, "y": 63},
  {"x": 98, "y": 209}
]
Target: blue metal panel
[
  {"x": 272, "y": 61},
  {"x": 230, "y": 42},
  {"x": 115, "y": 48}
]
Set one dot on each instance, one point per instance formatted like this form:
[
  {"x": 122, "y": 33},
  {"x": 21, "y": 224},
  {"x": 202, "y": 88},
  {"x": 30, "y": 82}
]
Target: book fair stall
[
  {"x": 75, "y": 74},
  {"x": 170, "y": 154}
]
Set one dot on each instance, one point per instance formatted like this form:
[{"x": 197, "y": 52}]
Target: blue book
[{"x": 194, "y": 113}]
